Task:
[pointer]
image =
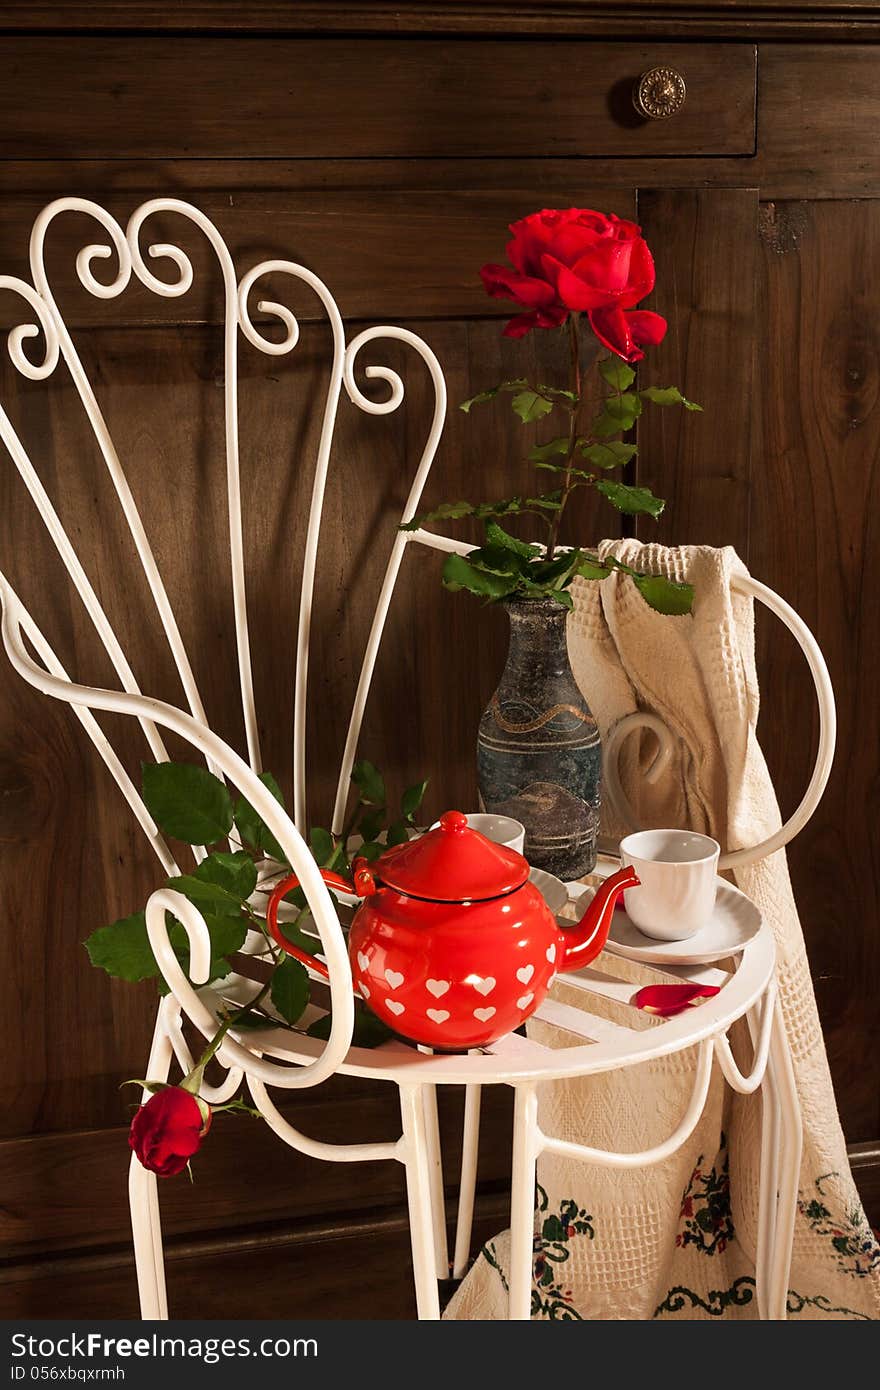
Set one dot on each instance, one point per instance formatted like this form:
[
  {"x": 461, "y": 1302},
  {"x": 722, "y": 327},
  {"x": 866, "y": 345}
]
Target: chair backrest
[{"x": 123, "y": 248}]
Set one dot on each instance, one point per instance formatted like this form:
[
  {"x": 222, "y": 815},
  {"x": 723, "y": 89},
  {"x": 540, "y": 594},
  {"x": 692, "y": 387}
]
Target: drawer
[{"x": 365, "y": 98}]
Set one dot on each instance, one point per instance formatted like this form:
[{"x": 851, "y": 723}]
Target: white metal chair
[{"x": 284, "y": 1059}]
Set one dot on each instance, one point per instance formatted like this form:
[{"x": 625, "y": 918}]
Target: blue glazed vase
[{"x": 539, "y": 757}]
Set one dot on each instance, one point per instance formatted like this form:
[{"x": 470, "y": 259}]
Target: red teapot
[{"x": 452, "y": 946}]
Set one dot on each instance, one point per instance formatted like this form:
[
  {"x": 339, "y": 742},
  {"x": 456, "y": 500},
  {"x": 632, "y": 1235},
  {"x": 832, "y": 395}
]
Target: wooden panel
[
  {"x": 67, "y": 1193},
  {"x": 705, "y": 248},
  {"x": 360, "y": 1269},
  {"x": 815, "y": 538},
  {"x": 407, "y": 99},
  {"x": 841, "y": 21},
  {"x": 415, "y": 254}
]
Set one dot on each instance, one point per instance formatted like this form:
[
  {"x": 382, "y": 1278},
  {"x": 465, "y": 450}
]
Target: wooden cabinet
[{"x": 387, "y": 150}]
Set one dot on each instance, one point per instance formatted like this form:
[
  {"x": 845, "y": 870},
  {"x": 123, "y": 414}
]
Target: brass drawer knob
[{"x": 659, "y": 93}]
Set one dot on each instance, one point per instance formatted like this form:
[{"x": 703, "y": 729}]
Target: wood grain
[
  {"x": 815, "y": 538},
  {"x": 844, "y": 20},
  {"x": 403, "y": 255},
  {"x": 407, "y": 99},
  {"x": 706, "y": 251}
]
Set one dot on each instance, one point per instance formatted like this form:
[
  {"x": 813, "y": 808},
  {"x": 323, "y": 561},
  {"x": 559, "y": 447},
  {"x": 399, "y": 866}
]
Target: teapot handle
[
  {"x": 743, "y": 584},
  {"x": 363, "y": 883}
]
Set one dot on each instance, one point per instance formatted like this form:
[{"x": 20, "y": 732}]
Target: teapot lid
[{"x": 452, "y": 864}]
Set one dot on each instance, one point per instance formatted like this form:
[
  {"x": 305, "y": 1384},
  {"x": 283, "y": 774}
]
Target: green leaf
[
  {"x": 398, "y": 833},
  {"x": 529, "y": 406},
  {"x": 321, "y": 844},
  {"x": 495, "y": 559},
  {"x": 123, "y": 949},
  {"x": 237, "y": 873},
  {"x": 369, "y": 782},
  {"x": 369, "y": 1031},
  {"x": 548, "y": 501},
  {"x": 542, "y": 452},
  {"x": 458, "y": 573},
  {"x": 227, "y": 936},
  {"x": 561, "y": 596},
  {"x": 187, "y": 801},
  {"x": 634, "y": 501},
  {"x": 613, "y": 455},
  {"x": 616, "y": 373},
  {"x": 447, "y": 511},
  {"x": 497, "y": 536},
  {"x": 372, "y": 823},
  {"x": 558, "y": 392},
  {"x": 212, "y": 895},
  {"x": 289, "y": 991},
  {"x": 412, "y": 799},
  {"x": 252, "y": 828},
  {"x": 619, "y": 414},
  {"x": 665, "y": 595},
  {"x": 489, "y": 395},
  {"x": 560, "y": 568},
  {"x": 370, "y": 850},
  {"x": 667, "y": 395},
  {"x": 591, "y": 568}
]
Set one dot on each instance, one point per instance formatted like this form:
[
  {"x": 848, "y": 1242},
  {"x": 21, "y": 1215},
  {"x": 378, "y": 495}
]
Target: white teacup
[
  {"x": 503, "y": 830},
  {"x": 676, "y": 870}
]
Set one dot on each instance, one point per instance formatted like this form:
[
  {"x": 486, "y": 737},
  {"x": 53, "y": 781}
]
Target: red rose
[
  {"x": 168, "y": 1129},
  {"x": 582, "y": 261}
]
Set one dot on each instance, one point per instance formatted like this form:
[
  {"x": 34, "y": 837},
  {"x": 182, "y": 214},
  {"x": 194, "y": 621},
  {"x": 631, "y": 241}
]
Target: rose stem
[{"x": 574, "y": 342}]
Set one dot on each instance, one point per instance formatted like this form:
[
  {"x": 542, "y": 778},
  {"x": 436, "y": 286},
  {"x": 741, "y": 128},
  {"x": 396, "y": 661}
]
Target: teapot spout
[{"x": 583, "y": 942}]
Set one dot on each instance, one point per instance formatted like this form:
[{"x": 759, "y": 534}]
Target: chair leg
[
  {"x": 143, "y": 1201},
  {"x": 418, "y": 1192},
  {"x": 522, "y": 1202},
  {"x": 790, "y": 1145},
  {"x": 769, "y": 1176},
  {"x": 470, "y": 1144},
  {"x": 143, "y": 1197},
  {"x": 438, "y": 1195}
]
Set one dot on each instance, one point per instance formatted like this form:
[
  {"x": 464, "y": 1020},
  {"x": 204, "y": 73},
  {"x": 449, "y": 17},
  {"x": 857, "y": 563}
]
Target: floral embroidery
[
  {"x": 705, "y": 1206},
  {"x": 740, "y": 1293},
  {"x": 716, "y": 1301},
  {"x": 851, "y": 1237},
  {"x": 551, "y": 1250}
]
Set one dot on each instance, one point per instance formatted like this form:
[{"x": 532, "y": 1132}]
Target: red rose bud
[
  {"x": 582, "y": 261},
  {"x": 168, "y": 1130}
]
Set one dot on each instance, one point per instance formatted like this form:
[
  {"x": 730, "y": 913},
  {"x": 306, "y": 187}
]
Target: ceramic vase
[{"x": 538, "y": 752}]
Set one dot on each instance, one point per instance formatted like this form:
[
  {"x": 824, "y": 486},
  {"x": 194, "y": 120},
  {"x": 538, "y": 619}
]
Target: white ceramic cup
[
  {"x": 676, "y": 870},
  {"x": 503, "y": 830}
]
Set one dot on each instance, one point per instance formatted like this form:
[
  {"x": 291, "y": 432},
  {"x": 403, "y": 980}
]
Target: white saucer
[{"x": 735, "y": 921}]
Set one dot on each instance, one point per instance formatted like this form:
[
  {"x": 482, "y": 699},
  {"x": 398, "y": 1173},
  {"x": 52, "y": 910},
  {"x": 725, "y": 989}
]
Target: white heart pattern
[
  {"x": 437, "y": 1015},
  {"x": 484, "y": 1014},
  {"x": 394, "y": 978},
  {"x": 394, "y": 1006},
  {"x": 438, "y": 988},
  {"x": 363, "y": 989},
  {"x": 363, "y": 961},
  {"x": 525, "y": 1000},
  {"x": 485, "y": 986},
  {"x": 551, "y": 953},
  {"x": 525, "y": 973}
]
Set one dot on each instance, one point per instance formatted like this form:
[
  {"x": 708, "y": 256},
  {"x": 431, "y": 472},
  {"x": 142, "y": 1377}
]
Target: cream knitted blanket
[{"x": 677, "y": 1240}]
